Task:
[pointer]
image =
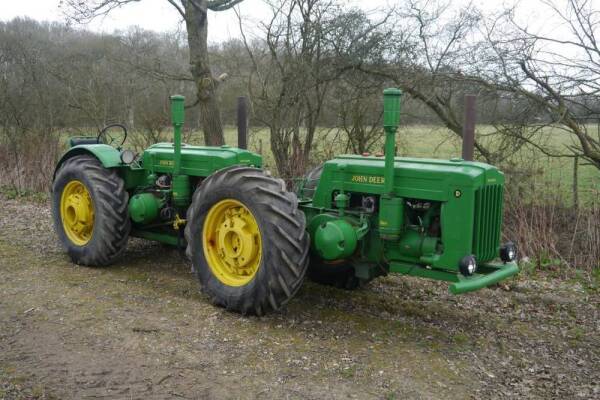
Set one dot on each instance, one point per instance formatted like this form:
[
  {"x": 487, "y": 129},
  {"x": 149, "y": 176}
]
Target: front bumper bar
[{"x": 492, "y": 273}]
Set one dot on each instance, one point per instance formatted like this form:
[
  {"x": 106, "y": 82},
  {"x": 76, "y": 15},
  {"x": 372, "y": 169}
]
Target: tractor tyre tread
[
  {"x": 285, "y": 242},
  {"x": 111, "y": 222}
]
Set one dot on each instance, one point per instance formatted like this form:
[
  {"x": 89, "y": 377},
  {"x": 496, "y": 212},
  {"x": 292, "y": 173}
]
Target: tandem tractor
[{"x": 252, "y": 242}]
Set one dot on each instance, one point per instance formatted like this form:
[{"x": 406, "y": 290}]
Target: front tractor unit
[{"x": 252, "y": 242}]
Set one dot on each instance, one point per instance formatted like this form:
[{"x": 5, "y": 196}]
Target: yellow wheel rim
[
  {"x": 232, "y": 242},
  {"x": 77, "y": 213}
]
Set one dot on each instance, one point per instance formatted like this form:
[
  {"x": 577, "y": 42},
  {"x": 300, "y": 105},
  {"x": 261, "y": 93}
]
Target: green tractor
[{"x": 251, "y": 241}]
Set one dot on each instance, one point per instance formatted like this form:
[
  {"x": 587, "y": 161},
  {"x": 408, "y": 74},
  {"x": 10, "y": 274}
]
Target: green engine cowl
[
  {"x": 144, "y": 208},
  {"x": 416, "y": 245},
  {"x": 335, "y": 240}
]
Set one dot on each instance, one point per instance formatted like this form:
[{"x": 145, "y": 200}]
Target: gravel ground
[{"x": 140, "y": 329}]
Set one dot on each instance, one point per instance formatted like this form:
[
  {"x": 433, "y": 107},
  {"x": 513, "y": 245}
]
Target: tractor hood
[
  {"x": 422, "y": 178},
  {"x": 197, "y": 160}
]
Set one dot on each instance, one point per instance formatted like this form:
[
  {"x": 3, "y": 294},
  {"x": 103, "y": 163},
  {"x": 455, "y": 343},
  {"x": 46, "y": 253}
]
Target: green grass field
[
  {"x": 549, "y": 176},
  {"x": 546, "y": 176}
]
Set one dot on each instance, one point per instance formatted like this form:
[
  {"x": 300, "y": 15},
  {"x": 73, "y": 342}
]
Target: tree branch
[
  {"x": 222, "y": 5},
  {"x": 177, "y": 7}
]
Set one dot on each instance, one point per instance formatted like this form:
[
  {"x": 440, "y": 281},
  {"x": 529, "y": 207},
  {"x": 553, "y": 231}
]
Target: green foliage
[
  {"x": 589, "y": 280},
  {"x": 30, "y": 195}
]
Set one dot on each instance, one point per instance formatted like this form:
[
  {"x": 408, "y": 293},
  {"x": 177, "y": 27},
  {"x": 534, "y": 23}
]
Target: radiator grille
[{"x": 488, "y": 221}]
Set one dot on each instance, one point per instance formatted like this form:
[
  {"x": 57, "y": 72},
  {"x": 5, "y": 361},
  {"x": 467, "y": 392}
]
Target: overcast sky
[{"x": 159, "y": 15}]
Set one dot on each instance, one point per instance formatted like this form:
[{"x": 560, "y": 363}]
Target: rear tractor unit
[{"x": 252, "y": 242}]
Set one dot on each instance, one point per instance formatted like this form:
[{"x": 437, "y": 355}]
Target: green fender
[{"x": 108, "y": 156}]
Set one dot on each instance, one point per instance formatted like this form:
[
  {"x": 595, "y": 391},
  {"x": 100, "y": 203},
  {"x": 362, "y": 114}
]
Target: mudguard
[{"x": 108, "y": 155}]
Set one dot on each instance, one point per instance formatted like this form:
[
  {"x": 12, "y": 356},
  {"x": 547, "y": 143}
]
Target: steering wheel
[{"x": 104, "y": 136}]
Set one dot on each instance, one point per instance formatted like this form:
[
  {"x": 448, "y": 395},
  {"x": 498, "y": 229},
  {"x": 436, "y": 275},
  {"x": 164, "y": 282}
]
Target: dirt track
[{"x": 140, "y": 329}]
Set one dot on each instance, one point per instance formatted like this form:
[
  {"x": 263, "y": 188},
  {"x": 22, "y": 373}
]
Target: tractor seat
[{"x": 76, "y": 141}]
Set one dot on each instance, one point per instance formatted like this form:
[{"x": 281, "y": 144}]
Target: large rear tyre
[
  {"x": 247, "y": 240},
  {"x": 89, "y": 208}
]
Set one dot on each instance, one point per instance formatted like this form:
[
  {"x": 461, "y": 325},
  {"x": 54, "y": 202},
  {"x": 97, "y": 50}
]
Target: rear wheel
[
  {"x": 89, "y": 208},
  {"x": 247, "y": 240}
]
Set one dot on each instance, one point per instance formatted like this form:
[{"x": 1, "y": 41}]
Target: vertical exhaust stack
[
  {"x": 177, "y": 118},
  {"x": 391, "y": 210},
  {"x": 391, "y": 120},
  {"x": 181, "y": 183}
]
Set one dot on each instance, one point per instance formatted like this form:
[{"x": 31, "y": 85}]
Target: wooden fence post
[
  {"x": 242, "y": 122},
  {"x": 469, "y": 128}
]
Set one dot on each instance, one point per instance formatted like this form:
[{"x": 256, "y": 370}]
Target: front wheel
[
  {"x": 89, "y": 207},
  {"x": 247, "y": 240}
]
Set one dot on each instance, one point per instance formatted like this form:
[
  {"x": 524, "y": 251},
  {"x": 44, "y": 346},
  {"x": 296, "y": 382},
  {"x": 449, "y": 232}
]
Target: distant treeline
[{"x": 54, "y": 76}]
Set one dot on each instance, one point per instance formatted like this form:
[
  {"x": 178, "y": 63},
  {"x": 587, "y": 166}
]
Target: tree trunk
[{"x": 197, "y": 30}]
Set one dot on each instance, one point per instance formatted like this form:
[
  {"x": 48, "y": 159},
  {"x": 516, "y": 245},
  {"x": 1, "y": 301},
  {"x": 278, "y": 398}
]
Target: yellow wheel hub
[
  {"x": 77, "y": 213},
  {"x": 232, "y": 242}
]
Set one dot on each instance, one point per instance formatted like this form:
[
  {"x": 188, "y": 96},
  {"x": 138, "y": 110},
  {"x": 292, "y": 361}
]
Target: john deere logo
[
  {"x": 166, "y": 163},
  {"x": 376, "y": 180}
]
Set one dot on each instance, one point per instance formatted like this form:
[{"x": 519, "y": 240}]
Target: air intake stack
[
  {"x": 391, "y": 217},
  {"x": 181, "y": 183}
]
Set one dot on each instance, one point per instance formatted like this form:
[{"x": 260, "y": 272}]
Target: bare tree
[
  {"x": 556, "y": 72},
  {"x": 299, "y": 55},
  {"x": 536, "y": 78},
  {"x": 432, "y": 45},
  {"x": 55, "y": 79},
  {"x": 30, "y": 112},
  {"x": 194, "y": 13},
  {"x": 356, "y": 100},
  {"x": 290, "y": 78},
  {"x": 439, "y": 37}
]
